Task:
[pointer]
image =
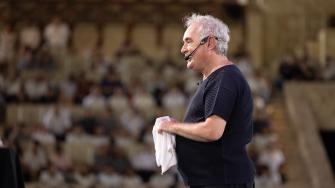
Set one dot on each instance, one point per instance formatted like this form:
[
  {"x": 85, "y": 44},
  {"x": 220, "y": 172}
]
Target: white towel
[{"x": 164, "y": 146}]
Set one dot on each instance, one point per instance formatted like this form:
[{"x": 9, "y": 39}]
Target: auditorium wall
[{"x": 276, "y": 28}]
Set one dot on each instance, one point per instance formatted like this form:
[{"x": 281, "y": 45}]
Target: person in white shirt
[
  {"x": 165, "y": 181},
  {"x": 52, "y": 178},
  {"x": 7, "y": 43},
  {"x": 263, "y": 139},
  {"x": 68, "y": 88},
  {"x": 263, "y": 177},
  {"x": 83, "y": 177},
  {"x": 175, "y": 102},
  {"x": 131, "y": 179},
  {"x": 174, "y": 98},
  {"x": 37, "y": 88},
  {"x": 34, "y": 159},
  {"x": 119, "y": 101},
  {"x": 57, "y": 34},
  {"x": 109, "y": 178},
  {"x": 143, "y": 101},
  {"x": 260, "y": 86},
  {"x": 13, "y": 87},
  {"x": 243, "y": 63},
  {"x": 30, "y": 36},
  {"x": 273, "y": 158},
  {"x": 60, "y": 159},
  {"x": 57, "y": 120},
  {"x": 132, "y": 121},
  {"x": 144, "y": 163},
  {"x": 94, "y": 100}
]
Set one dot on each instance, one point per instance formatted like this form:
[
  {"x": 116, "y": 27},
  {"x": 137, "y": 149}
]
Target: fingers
[
  {"x": 163, "y": 126},
  {"x": 160, "y": 131},
  {"x": 173, "y": 120}
]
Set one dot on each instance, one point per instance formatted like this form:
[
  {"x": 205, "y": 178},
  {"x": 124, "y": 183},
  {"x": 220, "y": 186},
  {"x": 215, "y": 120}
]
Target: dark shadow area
[{"x": 328, "y": 138}]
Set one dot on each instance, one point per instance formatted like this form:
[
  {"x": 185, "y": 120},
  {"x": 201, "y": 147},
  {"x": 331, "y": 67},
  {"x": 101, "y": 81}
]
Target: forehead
[{"x": 192, "y": 32}]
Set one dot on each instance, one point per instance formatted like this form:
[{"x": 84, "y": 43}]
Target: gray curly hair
[{"x": 211, "y": 26}]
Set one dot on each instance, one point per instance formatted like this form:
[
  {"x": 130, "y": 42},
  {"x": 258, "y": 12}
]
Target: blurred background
[{"x": 82, "y": 81}]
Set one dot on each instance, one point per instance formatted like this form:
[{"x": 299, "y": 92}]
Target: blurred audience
[{"x": 97, "y": 121}]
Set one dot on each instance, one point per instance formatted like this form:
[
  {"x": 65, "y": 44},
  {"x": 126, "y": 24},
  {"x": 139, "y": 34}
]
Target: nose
[{"x": 183, "y": 49}]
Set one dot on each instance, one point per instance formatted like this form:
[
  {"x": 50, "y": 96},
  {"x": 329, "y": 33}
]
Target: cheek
[{"x": 201, "y": 55}]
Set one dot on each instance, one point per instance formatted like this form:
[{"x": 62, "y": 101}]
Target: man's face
[{"x": 191, "y": 40}]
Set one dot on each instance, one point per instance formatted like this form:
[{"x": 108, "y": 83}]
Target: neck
[{"x": 216, "y": 63}]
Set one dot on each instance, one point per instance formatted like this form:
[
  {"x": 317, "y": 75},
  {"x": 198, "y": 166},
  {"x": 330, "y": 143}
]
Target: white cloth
[{"x": 164, "y": 146}]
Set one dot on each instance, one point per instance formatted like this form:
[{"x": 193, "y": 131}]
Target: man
[
  {"x": 57, "y": 34},
  {"x": 211, "y": 143}
]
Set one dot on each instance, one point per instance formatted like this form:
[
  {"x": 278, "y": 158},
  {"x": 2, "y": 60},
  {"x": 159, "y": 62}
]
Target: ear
[{"x": 211, "y": 44}]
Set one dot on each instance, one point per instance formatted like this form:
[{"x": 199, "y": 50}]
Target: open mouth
[{"x": 187, "y": 57}]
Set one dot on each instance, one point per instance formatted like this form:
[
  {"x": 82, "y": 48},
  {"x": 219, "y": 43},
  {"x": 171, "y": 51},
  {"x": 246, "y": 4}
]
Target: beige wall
[
  {"x": 275, "y": 28},
  {"x": 330, "y": 42}
]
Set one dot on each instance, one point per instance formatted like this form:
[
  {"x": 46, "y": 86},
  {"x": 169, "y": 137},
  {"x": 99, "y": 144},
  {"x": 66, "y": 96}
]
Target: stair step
[{"x": 294, "y": 167}]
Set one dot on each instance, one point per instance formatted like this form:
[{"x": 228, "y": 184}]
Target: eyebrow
[{"x": 188, "y": 39}]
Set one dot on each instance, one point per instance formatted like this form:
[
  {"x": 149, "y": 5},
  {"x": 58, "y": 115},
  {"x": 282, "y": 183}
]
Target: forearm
[
  {"x": 193, "y": 131},
  {"x": 210, "y": 130}
]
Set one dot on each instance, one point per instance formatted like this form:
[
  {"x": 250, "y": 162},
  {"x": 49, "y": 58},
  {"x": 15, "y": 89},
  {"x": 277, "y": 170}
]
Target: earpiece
[{"x": 204, "y": 40}]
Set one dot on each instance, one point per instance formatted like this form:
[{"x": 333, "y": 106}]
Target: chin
[{"x": 189, "y": 64}]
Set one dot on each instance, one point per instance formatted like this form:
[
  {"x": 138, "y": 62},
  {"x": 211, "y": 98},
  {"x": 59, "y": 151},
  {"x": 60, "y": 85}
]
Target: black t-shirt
[{"x": 224, "y": 93}]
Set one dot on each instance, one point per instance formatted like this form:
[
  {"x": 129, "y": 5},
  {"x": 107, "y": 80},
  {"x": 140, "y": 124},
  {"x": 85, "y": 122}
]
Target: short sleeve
[{"x": 220, "y": 97}]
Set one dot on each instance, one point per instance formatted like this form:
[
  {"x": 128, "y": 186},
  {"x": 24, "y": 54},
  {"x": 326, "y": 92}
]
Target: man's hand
[{"x": 166, "y": 126}]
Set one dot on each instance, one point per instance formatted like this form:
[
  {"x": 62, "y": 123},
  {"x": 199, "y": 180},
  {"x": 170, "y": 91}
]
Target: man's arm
[{"x": 210, "y": 130}]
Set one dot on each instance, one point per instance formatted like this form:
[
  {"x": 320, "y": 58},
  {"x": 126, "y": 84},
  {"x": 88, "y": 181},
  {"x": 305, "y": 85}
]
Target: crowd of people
[
  {"x": 110, "y": 144},
  {"x": 302, "y": 66}
]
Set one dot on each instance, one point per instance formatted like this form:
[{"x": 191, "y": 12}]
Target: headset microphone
[{"x": 189, "y": 56}]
